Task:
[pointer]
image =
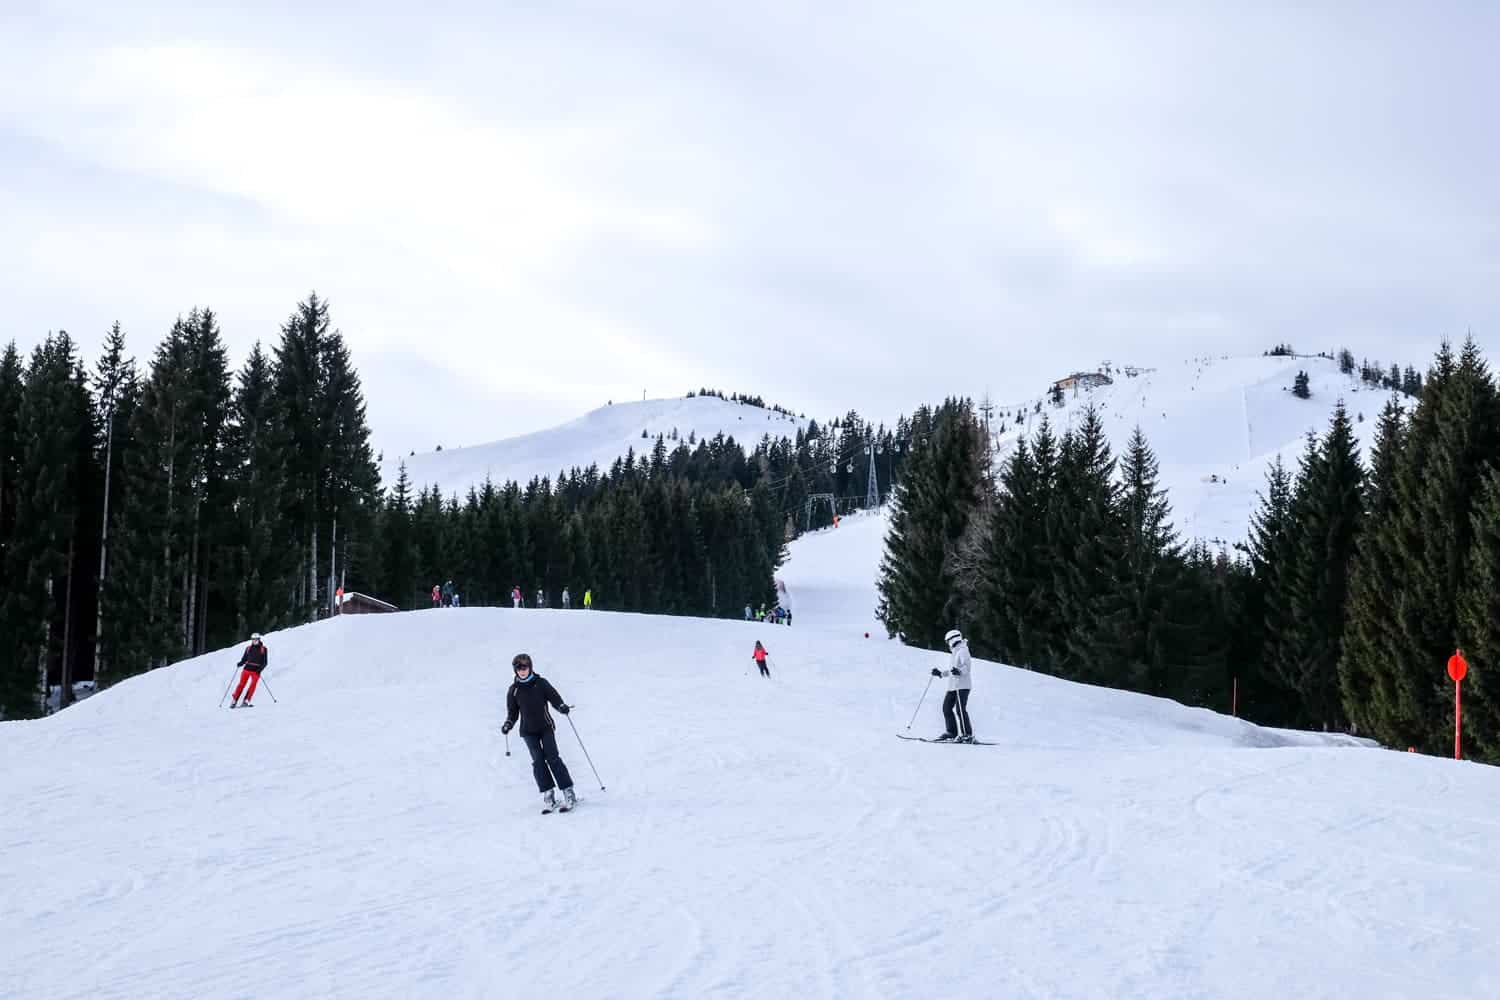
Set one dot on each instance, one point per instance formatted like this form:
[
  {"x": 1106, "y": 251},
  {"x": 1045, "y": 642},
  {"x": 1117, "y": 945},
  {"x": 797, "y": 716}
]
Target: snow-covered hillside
[
  {"x": 596, "y": 438},
  {"x": 1216, "y": 425},
  {"x": 366, "y": 836}
]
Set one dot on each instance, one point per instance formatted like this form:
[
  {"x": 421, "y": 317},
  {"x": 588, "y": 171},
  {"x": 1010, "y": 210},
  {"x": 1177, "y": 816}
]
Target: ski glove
[
  {"x": 936, "y": 672},
  {"x": 505, "y": 727},
  {"x": 564, "y": 709},
  {"x": 957, "y": 672}
]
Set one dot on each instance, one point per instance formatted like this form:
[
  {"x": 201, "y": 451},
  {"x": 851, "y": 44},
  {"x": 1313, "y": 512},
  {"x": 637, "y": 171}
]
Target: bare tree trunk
[
  {"x": 333, "y": 572},
  {"x": 312, "y": 572},
  {"x": 46, "y": 645},
  {"x": 166, "y": 609},
  {"x": 65, "y": 697},
  {"x": 109, "y": 450},
  {"x": 190, "y": 589},
  {"x": 202, "y": 615}
]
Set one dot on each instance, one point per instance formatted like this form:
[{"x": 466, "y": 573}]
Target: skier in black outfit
[{"x": 527, "y": 700}]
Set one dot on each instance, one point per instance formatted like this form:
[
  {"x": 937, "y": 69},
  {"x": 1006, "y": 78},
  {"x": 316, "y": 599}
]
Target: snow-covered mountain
[
  {"x": 596, "y": 438},
  {"x": 366, "y": 835},
  {"x": 1216, "y": 425}
]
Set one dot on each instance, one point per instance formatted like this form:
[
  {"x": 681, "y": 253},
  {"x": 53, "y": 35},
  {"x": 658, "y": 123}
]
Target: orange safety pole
[{"x": 1458, "y": 720}]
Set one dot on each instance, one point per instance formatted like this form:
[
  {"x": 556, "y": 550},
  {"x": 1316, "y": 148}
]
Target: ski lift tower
[{"x": 872, "y": 491}]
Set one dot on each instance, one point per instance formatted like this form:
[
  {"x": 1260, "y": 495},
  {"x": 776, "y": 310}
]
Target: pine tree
[
  {"x": 1450, "y": 440},
  {"x": 1329, "y": 514},
  {"x": 116, "y": 392},
  {"x": 11, "y": 389},
  {"x": 1139, "y": 640},
  {"x": 1370, "y": 610},
  {"x": 1479, "y": 627},
  {"x": 1300, "y": 387},
  {"x": 1085, "y": 536},
  {"x": 1271, "y": 528},
  {"x": 38, "y": 615},
  {"x": 940, "y": 490}
]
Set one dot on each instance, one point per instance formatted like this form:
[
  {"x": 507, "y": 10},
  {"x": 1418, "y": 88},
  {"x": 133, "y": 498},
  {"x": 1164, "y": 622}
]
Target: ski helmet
[
  {"x": 522, "y": 660},
  {"x": 953, "y": 638},
  {"x": 255, "y": 637}
]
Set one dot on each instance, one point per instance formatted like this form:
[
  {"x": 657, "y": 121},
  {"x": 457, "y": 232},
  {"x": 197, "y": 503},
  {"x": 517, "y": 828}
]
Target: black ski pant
[
  {"x": 956, "y": 713},
  {"x": 764, "y": 670},
  {"x": 545, "y": 763}
]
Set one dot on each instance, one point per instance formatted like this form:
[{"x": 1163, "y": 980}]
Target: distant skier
[
  {"x": 455, "y": 598},
  {"x": 588, "y": 600},
  {"x": 956, "y": 701},
  {"x": 448, "y": 592},
  {"x": 760, "y": 655},
  {"x": 527, "y": 700},
  {"x": 567, "y": 599},
  {"x": 437, "y": 595},
  {"x": 541, "y": 599},
  {"x": 253, "y": 661},
  {"x": 515, "y": 597},
  {"x": 749, "y": 614}
]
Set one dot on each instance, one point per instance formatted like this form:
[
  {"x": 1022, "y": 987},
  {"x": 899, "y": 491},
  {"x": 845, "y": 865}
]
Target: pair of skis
[{"x": 928, "y": 739}]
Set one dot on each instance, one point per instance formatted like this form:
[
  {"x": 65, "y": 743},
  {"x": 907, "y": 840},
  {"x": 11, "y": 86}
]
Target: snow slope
[
  {"x": 367, "y": 836},
  {"x": 1216, "y": 425},
  {"x": 596, "y": 438}
]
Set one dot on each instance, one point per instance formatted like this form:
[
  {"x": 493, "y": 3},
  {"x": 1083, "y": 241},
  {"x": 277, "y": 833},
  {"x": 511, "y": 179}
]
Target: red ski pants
[{"x": 253, "y": 676}]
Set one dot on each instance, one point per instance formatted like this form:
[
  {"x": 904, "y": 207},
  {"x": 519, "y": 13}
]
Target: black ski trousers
[
  {"x": 956, "y": 713},
  {"x": 764, "y": 670},
  {"x": 545, "y": 763}
]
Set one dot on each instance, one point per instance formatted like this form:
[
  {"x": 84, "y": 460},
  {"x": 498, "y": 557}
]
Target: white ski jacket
[{"x": 960, "y": 668}]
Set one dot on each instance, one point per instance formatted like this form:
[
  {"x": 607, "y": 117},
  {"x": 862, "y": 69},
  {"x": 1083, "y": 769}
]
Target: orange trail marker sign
[{"x": 1458, "y": 669}]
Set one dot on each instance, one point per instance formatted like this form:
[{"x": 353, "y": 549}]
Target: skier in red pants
[{"x": 253, "y": 662}]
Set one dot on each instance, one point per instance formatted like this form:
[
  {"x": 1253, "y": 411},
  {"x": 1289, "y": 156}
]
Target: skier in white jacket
[{"x": 956, "y": 701}]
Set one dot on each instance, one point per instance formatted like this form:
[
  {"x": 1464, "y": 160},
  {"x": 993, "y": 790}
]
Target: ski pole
[
  {"x": 919, "y": 702},
  {"x": 507, "y": 743},
  {"x": 585, "y": 751},
  {"x": 268, "y": 690},
  {"x": 229, "y": 685}
]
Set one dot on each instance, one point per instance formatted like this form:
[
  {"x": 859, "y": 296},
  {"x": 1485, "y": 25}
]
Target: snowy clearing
[{"x": 367, "y": 836}]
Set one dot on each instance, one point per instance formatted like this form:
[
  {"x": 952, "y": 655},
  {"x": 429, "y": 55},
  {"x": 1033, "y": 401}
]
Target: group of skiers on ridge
[
  {"x": 445, "y": 596},
  {"x": 776, "y": 616}
]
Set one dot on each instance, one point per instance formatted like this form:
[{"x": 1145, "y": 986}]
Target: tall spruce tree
[
  {"x": 1262, "y": 694},
  {"x": 116, "y": 392},
  {"x": 11, "y": 389},
  {"x": 1085, "y": 535},
  {"x": 1139, "y": 640},
  {"x": 1425, "y": 544},
  {"x": 1479, "y": 626},
  {"x": 940, "y": 491},
  {"x": 40, "y": 618},
  {"x": 1313, "y": 580},
  {"x": 1366, "y": 692}
]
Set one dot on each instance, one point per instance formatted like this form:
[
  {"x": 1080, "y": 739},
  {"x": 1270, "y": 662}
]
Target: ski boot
[
  {"x": 966, "y": 738},
  {"x": 943, "y": 738},
  {"x": 549, "y": 801},
  {"x": 569, "y": 799}
]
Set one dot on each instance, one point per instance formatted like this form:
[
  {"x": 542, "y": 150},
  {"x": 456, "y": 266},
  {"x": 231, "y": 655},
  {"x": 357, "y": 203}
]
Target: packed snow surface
[
  {"x": 366, "y": 835},
  {"x": 596, "y": 438},
  {"x": 1216, "y": 425}
]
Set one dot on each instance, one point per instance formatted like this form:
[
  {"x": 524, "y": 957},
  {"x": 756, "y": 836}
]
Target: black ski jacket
[
  {"x": 529, "y": 701},
  {"x": 254, "y": 659}
]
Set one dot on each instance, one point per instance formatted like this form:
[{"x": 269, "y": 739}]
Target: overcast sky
[{"x": 520, "y": 210}]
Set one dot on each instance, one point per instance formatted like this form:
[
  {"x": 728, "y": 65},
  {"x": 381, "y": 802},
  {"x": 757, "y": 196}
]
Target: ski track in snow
[{"x": 367, "y": 837}]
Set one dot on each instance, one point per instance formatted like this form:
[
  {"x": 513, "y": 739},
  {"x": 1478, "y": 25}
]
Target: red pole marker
[{"x": 1458, "y": 669}]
